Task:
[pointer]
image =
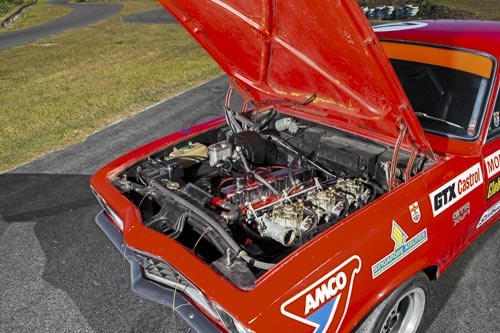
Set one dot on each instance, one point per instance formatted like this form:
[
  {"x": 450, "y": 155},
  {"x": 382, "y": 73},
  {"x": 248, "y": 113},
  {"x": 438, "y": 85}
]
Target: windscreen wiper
[{"x": 425, "y": 115}]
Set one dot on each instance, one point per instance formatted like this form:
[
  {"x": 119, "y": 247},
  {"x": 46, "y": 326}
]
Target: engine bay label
[
  {"x": 455, "y": 189},
  {"x": 324, "y": 303}
]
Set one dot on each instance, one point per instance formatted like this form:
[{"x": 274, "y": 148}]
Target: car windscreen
[{"x": 447, "y": 101}]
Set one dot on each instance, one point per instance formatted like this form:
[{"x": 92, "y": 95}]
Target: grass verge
[
  {"x": 60, "y": 89},
  {"x": 8, "y": 5},
  {"x": 482, "y": 9},
  {"x": 40, "y": 13}
]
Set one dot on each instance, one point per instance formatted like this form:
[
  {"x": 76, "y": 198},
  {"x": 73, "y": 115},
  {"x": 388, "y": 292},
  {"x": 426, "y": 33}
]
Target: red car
[{"x": 357, "y": 168}]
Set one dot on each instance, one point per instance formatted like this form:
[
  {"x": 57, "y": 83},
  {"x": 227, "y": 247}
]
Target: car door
[{"x": 491, "y": 161}]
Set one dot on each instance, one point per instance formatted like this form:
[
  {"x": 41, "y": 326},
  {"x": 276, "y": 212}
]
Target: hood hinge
[{"x": 391, "y": 170}]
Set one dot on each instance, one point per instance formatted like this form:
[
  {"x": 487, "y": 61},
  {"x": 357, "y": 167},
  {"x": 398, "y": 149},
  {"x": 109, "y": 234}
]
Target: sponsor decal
[
  {"x": 399, "y": 26},
  {"x": 472, "y": 128},
  {"x": 455, "y": 189},
  {"x": 493, "y": 187},
  {"x": 492, "y": 163},
  {"x": 496, "y": 118},
  {"x": 324, "y": 303},
  {"x": 460, "y": 214},
  {"x": 489, "y": 214},
  {"x": 403, "y": 247},
  {"x": 415, "y": 212}
]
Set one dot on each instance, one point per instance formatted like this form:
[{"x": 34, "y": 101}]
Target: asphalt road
[
  {"x": 58, "y": 272},
  {"x": 151, "y": 17},
  {"x": 82, "y": 15}
]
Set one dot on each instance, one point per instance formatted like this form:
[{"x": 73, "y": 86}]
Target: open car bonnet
[{"x": 286, "y": 52}]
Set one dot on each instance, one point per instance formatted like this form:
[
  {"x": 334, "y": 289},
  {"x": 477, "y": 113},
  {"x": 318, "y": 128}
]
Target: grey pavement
[
  {"x": 82, "y": 15},
  {"x": 24, "y": 291},
  {"x": 64, "y": 275}
]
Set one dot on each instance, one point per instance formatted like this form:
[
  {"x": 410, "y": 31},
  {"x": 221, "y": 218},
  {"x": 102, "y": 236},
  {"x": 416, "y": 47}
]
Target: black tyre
[{"x": 402, "y": 310}]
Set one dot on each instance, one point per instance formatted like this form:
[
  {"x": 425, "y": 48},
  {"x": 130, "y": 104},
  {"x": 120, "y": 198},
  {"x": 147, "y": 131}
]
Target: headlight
[
  {"x": 231, "y": 323},
  {"x": 161, "y": 272},
  {"x": 109, "y": 211}
]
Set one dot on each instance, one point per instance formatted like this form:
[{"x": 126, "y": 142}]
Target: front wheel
[{"x": 402, "y": 310}]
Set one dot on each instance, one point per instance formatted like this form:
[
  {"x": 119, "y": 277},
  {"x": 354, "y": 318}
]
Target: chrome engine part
[
  {"x": 219, "y": 152},
  {"x": 288, "y": 215},
  {"x": 284, "y": 223},
  {"x": 250, "y": 191},
  {"x": 288, "y": 218},
  {"x": 287, "y": 124},
  {"x": 355, "y": 190},
  {"x": 326, "y": 202}
]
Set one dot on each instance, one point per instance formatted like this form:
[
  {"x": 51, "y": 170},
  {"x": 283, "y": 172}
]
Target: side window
[{"x": 494, "y": 129}]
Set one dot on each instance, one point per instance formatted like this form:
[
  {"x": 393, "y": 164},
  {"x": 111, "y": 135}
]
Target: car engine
[{"x": 244, "y": 196}]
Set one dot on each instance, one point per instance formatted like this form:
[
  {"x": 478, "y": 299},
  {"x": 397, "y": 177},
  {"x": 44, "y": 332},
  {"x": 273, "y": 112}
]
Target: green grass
[
  {"x": 40, "y": 13},
  {"x": 483, "y": 9},
  {"x": 58, "y": 90},
  {"x": 7, "y": 5}
]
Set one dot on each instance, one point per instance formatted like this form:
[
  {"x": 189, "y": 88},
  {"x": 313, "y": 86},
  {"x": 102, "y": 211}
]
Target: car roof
[{"x": 481, "y": 36}]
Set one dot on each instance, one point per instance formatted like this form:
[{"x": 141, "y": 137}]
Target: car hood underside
[{"x": 316, "y": 57}]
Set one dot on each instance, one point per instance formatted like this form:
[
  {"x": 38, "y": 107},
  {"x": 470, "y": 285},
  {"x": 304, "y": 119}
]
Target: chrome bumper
[{"x": 151, "y": 290}]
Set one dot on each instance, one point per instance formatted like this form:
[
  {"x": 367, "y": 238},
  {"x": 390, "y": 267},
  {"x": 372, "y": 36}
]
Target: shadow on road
[
  {"x": 42, "y": 195},
  {"x": 71, "y": 273}
]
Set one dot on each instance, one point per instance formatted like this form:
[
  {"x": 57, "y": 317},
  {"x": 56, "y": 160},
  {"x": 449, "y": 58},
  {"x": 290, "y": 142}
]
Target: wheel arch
[{"x": 431, "y": 272}]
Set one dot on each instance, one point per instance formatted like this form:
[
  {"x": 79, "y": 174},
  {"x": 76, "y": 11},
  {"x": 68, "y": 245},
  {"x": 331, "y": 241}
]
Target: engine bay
[{"x": 244, "y": 196}]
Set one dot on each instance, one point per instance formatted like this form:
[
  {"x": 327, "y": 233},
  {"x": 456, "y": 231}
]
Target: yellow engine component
[{"x": 190, "y": 154}]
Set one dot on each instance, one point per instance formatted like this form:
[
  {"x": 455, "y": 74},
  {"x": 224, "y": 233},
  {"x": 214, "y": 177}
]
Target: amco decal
[
  {"x": 455, "y": 189},
  {"x": 402, "y": 247},
  {"x": 323, "y": 304}
]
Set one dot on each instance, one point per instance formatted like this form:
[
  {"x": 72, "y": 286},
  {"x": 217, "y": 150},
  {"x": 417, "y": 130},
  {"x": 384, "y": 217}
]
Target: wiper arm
[
  {"x": 425, "y": 115},
  {"x": 435, "y": 80}
]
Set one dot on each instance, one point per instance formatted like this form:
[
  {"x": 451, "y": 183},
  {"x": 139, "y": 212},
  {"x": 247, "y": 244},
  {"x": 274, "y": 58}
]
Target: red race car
[{"x": 356, "y": 169}]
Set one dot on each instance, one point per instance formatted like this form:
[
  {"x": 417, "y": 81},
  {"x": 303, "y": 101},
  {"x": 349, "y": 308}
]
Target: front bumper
[{"x": 152, "y": 290}]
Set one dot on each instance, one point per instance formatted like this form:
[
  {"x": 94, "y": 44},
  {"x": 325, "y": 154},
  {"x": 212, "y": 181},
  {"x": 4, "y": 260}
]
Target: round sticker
[{"x": 400, "y": 26}]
